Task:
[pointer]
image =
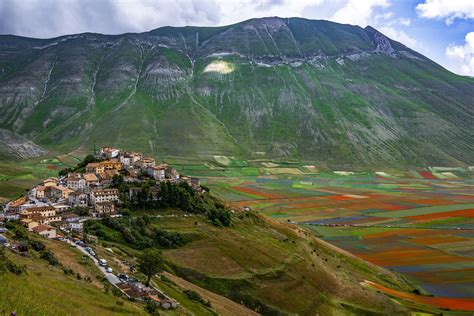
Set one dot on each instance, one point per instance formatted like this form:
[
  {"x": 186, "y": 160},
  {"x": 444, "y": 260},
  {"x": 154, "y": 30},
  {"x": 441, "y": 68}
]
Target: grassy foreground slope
[
  {"x": 275, "y": 269},
  {"x": 47, "y": 290}
]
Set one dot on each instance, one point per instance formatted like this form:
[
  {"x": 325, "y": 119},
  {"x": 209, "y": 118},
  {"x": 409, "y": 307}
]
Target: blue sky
[{"x": 443, "y": 30}]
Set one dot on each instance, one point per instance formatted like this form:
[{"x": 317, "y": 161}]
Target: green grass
[
  {"x": 424, "y": 210},
  {"x": 323, "y": 231},
  {"x": 176, "y": 293},
  {"x": 46, "y": 290}
]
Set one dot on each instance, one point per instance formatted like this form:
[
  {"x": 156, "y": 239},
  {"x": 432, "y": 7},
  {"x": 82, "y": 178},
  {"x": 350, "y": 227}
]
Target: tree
[
  {"x": 64, "y": 172},
  {"x": 117, "y": 181},
  {"x": 150, "y": 263}
]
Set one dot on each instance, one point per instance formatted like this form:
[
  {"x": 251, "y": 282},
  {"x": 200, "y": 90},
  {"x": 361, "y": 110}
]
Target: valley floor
[{"x": 417, "y": 224}]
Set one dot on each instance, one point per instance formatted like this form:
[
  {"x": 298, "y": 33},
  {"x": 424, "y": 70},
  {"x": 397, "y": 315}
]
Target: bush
[
  {"x": 195, "y": 296},
  {"x": 219, "y": 217},
  {"x": 165, "y": 279},
  {"x": 15, "y": 268},
  {"x": 49, "y": 256},
  {"x": 37, "y": 245},
  {"x": 68, "y": 271},
  {"x": 80, "y": 210},
  {"x": 151, "y": 307}
]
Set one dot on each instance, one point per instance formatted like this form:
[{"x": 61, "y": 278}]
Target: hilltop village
[{"x": 92, "y": 191}]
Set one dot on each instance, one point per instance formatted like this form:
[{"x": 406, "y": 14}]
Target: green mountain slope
[{"x": 306, "y": 89}]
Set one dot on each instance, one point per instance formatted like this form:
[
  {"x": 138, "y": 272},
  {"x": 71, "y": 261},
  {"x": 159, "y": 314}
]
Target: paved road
[{"x": 110, "y": 276}]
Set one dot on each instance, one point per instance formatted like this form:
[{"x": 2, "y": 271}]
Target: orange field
[
  {"x": 462, "y": 213},
  {"x": 456, "y": 304},
  {"x": 436, "y": 240},
  {"x": 411, "y": 257}
]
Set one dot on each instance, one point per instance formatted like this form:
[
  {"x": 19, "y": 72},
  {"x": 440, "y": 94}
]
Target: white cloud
[
  {"x": 49, "y": 18},
  {"x": 358, "y": 12},
  {"x": 404, "y": 21},
  {"x": 385, "y": 16},
  {"x": 394, "y": 28},
  {"x": 400, "y": 36},
  {"x": 461, "y": 57},
  {"x": 446, "y": 9}
]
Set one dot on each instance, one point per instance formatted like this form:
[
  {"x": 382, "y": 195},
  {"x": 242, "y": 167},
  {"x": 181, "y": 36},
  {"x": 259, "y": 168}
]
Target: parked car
[
  {"x": 109, "y": 270},
  {"x": 123, "y": 277},
  {"x": 132, "y": 280},
  {"x": 102, "y": 262}
]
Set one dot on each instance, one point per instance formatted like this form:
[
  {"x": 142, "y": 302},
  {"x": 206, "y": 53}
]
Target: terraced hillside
[{"x": 270, "y": 87}]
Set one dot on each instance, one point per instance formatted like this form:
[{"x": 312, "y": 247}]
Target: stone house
[
  {"x": 105, "y": 208},
  {"x": 45, "y": 231}
]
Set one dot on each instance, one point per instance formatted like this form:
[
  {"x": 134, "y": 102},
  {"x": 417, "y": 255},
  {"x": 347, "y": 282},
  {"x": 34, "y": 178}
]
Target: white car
[{"x": 109, "y": 270}]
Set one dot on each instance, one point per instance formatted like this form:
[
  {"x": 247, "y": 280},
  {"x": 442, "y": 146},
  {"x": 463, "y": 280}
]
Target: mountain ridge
[{"x": 286, "y": 87}]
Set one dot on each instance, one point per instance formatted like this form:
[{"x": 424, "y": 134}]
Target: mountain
[
  {"x": 14, "y": 145},
  {"x": 271, "y": 87}
]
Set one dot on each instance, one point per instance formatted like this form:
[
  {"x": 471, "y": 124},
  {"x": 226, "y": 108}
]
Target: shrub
[
  {"x": 15, "y": 268},
  {"x": 195, "y": 296},
  {"x": 49, "y": 256},
  {"x": 219, "y": 217},
  {"x": 165, "y": 279},
  {"x": 151, "y": 307},
  {"x": 37, "y": 245},
  {"x": 68, "y": 271}
]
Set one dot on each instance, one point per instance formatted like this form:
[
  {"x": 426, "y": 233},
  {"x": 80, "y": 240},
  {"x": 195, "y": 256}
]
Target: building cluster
[
  {"x": 50, "y": 205},
  {"x": 132, "y": 288}
]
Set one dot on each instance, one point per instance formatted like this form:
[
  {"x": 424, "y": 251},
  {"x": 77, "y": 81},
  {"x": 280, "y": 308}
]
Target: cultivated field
[{"x": 420, "y": 224}]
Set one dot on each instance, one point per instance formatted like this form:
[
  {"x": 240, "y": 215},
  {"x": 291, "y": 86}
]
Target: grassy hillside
[
  {"x": 269, "y": 267},
  {"x": 45, "y": 289},
  {"x": 272, "y": 87}
]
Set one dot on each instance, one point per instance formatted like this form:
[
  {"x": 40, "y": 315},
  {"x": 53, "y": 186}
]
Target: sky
[{"x": 442, "y": 30}]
